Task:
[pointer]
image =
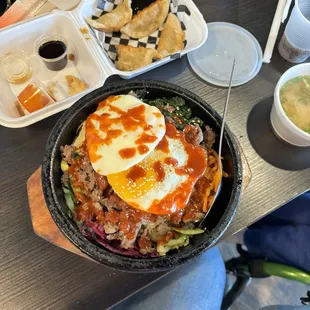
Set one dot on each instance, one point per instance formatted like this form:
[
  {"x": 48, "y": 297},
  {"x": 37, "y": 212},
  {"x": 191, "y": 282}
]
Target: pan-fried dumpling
[
  {"x": 172, "y": 37},
  {"x": 148, "y": 20},
  {"x": 114, "y": 20},
  {"x": 76, "y": 85},
  {"x": 132, "y": 58}
]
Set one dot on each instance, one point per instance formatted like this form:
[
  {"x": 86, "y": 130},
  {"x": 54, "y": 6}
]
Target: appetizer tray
[
  {"x": 44, "y": 226},
  {"x": 91, "y": 55}
]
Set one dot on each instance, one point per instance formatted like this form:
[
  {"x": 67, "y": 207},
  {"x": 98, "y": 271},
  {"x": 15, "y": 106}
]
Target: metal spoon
[{"x": 218, "y": 189}]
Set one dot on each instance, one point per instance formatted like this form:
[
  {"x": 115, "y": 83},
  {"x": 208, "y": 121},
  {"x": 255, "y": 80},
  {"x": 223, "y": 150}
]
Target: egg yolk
[
  {"x": 163, "y": 182},
  {"x": 134, "y": 182}
]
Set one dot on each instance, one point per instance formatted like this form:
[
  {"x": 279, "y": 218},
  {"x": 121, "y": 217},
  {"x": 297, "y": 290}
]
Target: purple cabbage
[{"x": 95, "y": 232}]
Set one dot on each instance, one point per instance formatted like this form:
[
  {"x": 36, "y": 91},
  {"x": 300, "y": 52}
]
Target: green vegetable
[
  {"x": 75, "y": 190},
  {"x": 76, "y": 155},
  {"x": 79, "y": 223},
  {"x": 189, "y": 232},
  {"x": 175, "y": 101},
  {"x": 196, "y": 121},
  {"x": 153, "y": 234},
  {"x": 183, "y": 112},
  {"x": 69, "y": 197},
  {"x": 179, "y": 121},
  {"x": 69, "y": 213},
  {"x": 141, "y": 93},
  {"x": 64, "y": 166},
  {"x": 181, "y": 115},
  {"x": 159, "y": 103},
  {"x": 173, "y": 244}
]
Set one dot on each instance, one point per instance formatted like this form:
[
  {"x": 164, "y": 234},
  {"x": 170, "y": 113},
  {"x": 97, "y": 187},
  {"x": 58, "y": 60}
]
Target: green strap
[{"x": 287, "y": 272}]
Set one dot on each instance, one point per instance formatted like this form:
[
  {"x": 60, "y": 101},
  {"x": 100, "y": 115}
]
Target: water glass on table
[{"x": 295, "y": 43}]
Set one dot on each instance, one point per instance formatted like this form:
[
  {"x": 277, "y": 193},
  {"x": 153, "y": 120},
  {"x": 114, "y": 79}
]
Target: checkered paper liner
[{"x": 109, "y": 40}]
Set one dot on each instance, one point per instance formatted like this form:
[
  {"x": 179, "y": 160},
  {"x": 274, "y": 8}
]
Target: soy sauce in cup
[{"x": 54, "y": 54}]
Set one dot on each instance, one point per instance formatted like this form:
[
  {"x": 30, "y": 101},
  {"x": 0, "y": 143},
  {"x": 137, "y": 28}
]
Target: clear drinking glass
[{"x": 295, "y": 43}]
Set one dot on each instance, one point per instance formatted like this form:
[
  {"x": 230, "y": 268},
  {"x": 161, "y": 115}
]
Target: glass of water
[{"x": 295, "y": 43}]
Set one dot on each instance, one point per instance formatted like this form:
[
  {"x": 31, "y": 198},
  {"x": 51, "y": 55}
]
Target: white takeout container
[
  {"x": 91, "y": 63},
  {"x": 280, "y": 122}
]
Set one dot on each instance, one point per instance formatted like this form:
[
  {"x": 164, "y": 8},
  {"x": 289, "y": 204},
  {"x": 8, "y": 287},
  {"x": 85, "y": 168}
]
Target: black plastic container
[
  {"x": 54, "y": 54},
  {"x": 219, "y": 217}
]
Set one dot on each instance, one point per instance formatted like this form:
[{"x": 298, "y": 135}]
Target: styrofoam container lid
[
  {"x": 226, "y": 42},
  {"x": 65, "y": 5},
  {"x": 92, "y": 59}
]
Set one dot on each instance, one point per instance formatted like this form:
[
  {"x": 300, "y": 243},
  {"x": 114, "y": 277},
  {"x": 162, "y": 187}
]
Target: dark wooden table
[{"x": 38, "y": 275}]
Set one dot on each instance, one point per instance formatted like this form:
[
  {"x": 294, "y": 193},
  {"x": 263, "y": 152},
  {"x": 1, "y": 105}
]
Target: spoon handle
[
  {"x": 224, "y": 114},
  {"x": 201, "y": 224}
]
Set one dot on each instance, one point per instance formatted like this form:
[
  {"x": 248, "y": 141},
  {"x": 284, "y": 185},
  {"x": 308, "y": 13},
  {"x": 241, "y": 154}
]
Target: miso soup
[{"x": 295, "y": 100}]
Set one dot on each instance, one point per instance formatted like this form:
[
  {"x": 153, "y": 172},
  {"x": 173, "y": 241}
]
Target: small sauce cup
[
  {"x": 282, "y": 125},
  {"x": 34, "y": 97},
  {"x": 16, "y": 67},
  {"x": 53, "y": 51}
]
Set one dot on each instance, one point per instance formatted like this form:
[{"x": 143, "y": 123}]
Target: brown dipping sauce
[{"x": 52, "y": 50}]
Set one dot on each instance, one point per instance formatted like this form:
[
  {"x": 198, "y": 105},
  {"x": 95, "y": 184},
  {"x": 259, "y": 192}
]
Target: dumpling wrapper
[
  {"x": 114, "y": 20},
  {"x": 75, "y": 85},
  {"x": 172, "y": 37},
  {"x": 132, "y": 58},
  {"x": 148, "y": 20}
]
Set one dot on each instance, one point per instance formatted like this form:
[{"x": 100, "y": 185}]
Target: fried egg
[
  {"x": 163, "y": 182},
  {"x": 121, "y": 133}
]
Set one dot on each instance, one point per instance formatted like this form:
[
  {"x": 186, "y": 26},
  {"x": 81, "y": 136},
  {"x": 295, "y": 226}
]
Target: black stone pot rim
[{"x": 104, "y": 256}]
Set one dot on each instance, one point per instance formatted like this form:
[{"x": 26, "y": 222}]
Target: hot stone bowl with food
[{"x": 129, "y": 173}]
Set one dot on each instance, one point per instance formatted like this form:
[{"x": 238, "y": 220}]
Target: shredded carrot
[{"x": 213, "y": 174}]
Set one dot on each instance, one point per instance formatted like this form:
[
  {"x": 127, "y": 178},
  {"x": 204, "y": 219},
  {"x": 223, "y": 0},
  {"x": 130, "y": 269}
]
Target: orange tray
[{"x": 42, "y": 222}]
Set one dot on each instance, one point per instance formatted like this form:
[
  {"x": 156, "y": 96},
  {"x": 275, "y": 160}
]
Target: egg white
[
  {"x": 142, "y": 193},
  {"x": 110, "y": 160}
]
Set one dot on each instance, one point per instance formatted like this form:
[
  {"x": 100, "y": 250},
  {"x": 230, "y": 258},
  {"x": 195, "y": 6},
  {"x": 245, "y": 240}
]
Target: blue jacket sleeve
[{"x": 283, "y": 236}]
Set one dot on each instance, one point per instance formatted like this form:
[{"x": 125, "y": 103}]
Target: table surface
[{"x": 38, "y": 275}]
